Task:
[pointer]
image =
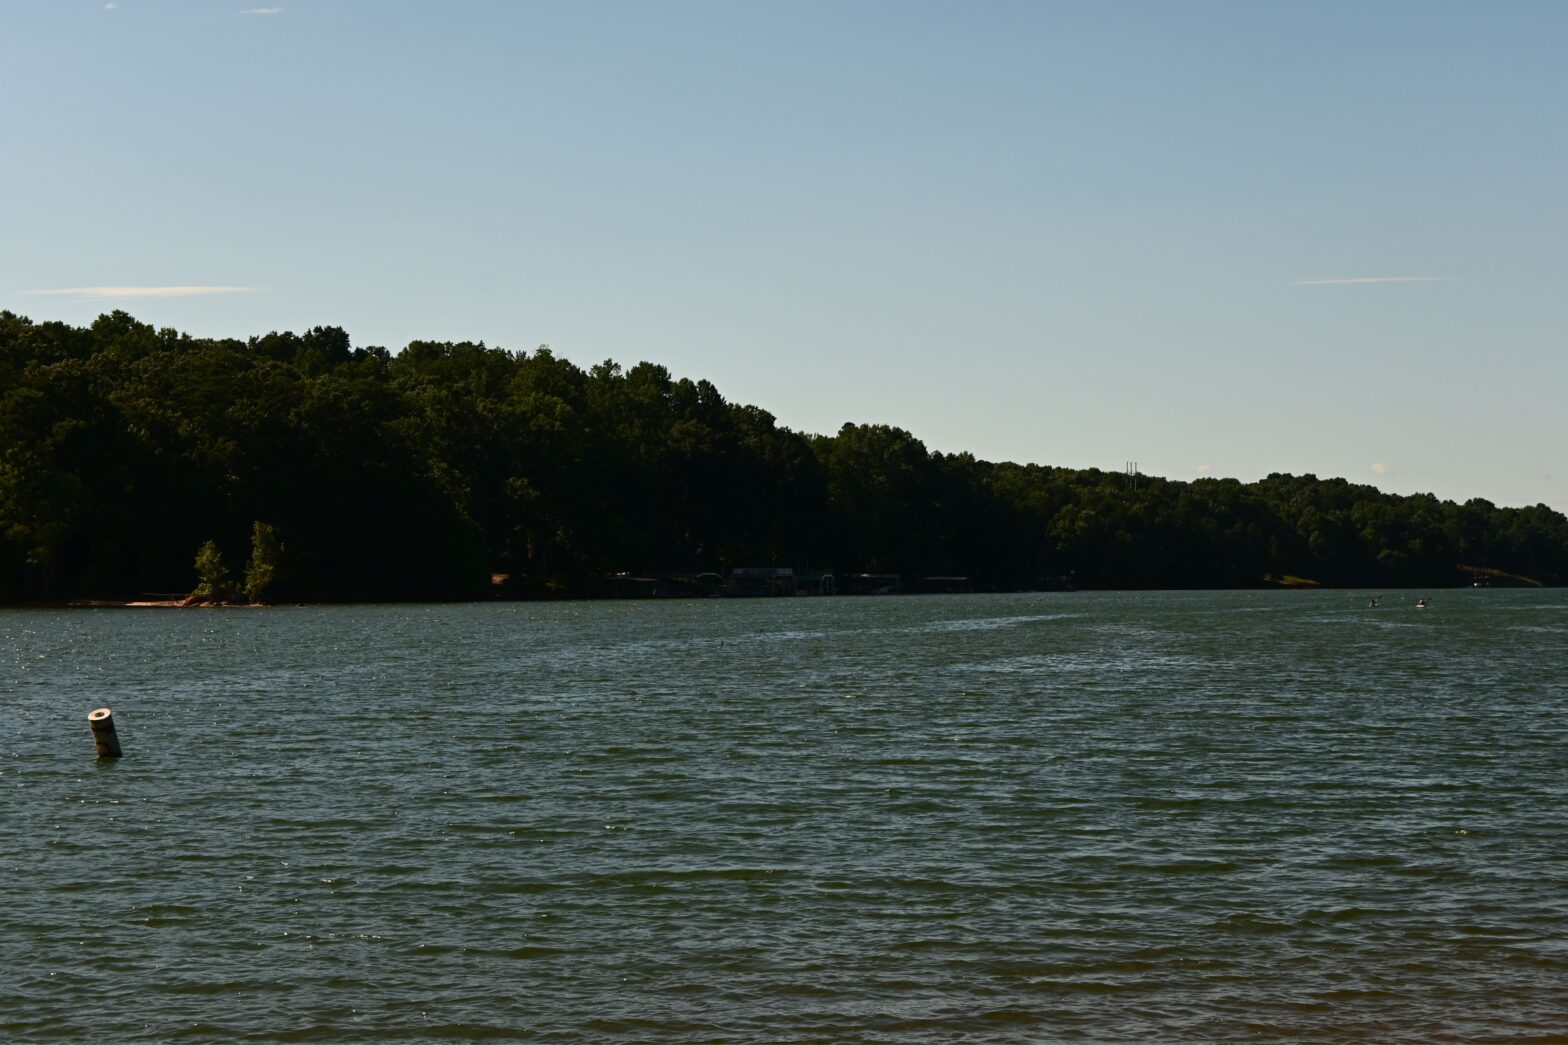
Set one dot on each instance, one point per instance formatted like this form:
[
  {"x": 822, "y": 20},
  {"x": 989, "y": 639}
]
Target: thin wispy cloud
[
  {"x": 1380, "y": 469},
  {"x": 110, "y": 7},
  {"x": 262, "y": 11},
  {"x": 1359, "y": 280},
  {"x": 103, "y": 293}
]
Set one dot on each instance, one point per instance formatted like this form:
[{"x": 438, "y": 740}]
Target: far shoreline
[{"x": 182, "y": 603}]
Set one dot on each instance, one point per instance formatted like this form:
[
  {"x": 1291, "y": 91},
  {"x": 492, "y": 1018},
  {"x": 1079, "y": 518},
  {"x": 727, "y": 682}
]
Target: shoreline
[{"x": 180, "y": 603}]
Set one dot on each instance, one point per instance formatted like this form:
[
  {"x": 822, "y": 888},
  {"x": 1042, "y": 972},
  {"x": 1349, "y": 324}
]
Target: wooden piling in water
[{"x": 104, "y": 736}]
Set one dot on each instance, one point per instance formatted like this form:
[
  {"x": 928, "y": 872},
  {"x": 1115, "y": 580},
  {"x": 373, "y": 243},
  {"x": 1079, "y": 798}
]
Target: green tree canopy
[{"x": 425, "y": 473}]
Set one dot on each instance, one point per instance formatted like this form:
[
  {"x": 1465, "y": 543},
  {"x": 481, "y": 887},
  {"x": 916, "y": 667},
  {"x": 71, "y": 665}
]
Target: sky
[{"x": 1222, "y": 239}]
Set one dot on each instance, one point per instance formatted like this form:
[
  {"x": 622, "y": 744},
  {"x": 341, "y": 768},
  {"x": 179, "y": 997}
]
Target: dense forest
[{"x": 454, "y": 470}]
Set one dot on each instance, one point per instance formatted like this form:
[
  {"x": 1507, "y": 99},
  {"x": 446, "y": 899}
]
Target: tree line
[{"x": 438, "y": 470}]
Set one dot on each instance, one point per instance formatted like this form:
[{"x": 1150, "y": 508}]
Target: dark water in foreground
[{"x": 1172, "y": 817}]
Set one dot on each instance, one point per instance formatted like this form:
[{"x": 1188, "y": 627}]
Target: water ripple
[{"x": 1180, "y": 817}]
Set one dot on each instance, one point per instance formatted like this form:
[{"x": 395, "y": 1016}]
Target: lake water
[{"x": 1094, "y": 817}]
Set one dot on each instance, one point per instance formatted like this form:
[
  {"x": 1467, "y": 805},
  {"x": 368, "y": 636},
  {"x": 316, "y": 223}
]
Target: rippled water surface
[{"x": 1105, "y": 817}]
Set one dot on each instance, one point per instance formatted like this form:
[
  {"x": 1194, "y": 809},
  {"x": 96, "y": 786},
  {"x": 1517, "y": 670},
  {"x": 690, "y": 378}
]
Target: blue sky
[{"x": 1215, "y": 238}]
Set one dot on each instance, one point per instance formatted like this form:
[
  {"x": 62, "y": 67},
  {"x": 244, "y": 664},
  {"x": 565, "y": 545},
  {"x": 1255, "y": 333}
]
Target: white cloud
[
  {"x": 1381, "y": 469},
  {"x": 99, "y": 293},
  {"x": 1358, "y": 280},
  {"x": 110, "y": 7},
  {"x": 262, "y": 11}
]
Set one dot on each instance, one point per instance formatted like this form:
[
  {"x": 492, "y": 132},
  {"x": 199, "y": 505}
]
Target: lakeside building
[{"x": 780, "y": 580}]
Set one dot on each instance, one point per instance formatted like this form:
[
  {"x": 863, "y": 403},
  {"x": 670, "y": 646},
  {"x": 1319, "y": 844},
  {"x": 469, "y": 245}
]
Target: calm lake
[{"x": 1094, "y": 817}]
